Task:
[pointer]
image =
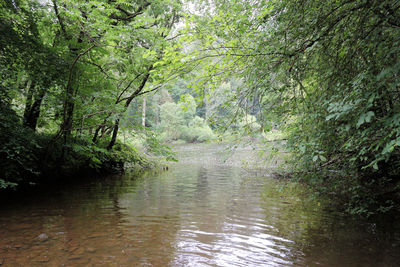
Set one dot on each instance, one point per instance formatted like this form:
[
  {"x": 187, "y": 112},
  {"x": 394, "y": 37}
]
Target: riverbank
[{"x": 30, "y": 158}]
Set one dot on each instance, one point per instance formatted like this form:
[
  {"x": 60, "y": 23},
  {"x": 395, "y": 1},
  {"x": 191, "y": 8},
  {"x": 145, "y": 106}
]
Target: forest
[{"x": 90, "y": 86}]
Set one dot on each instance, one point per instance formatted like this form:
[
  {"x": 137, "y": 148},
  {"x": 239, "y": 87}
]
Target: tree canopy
[{"x": 326, "y": 73}]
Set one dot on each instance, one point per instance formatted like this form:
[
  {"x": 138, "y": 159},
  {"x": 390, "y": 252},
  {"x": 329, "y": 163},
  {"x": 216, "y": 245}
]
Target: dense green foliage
[
  {"x": 69, "y": 71},
  {"x": 326, "y": 73},
  {"x": 178, "y": 121}
]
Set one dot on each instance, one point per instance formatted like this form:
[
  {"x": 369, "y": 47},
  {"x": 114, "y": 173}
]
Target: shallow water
[{"x": 203, "y": 211}]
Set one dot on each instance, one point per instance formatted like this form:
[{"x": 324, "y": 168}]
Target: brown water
[{"x": 202, "y": 212}]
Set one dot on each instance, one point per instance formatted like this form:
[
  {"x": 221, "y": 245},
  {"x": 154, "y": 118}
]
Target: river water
[{"x": 204, "y": 211}]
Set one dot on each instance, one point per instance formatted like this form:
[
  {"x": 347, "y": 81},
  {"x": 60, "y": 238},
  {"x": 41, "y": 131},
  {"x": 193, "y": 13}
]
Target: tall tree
[{"x": 330, "y": 68}]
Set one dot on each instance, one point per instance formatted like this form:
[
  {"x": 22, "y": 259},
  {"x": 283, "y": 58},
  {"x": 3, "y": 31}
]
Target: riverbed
[{"x": 212, "y": 208}]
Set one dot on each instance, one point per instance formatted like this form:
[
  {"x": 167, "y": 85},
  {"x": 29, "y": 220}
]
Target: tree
[
  {"x": 85, "y": 62},
  {"x": 329, "y": 70}
]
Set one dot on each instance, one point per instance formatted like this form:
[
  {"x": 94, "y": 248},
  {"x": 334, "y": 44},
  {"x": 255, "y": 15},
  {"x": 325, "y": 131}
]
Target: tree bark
[
  {"x": 144, "y": 112},
  {"x": 96, "y": 134},
  {"x": 69, "y": 103},
  {"x": 32, "y": 107},
  {"x": 34, "y": 113},
  {"x": 28, "y": 102},
  {"x": 127, "y": 103},
  {"x": 114, "y": 135}
]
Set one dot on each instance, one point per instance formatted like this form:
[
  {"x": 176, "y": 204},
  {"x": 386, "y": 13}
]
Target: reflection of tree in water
[
  {"x": 192, "y": 213},
  {"x": 340, "y": 241},
  {"x": 329, "y": 239},
  {"x": 152, "y": 219},
  {"x": 128, "y": 227},
  {"x": 92, "y": 223},
  {"x": 88, "y": 224},
  {"x": 202, "y": 189}
]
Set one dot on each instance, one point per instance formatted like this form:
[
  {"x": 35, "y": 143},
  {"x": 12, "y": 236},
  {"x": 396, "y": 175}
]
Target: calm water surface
[{"x": 202, "y": 212}]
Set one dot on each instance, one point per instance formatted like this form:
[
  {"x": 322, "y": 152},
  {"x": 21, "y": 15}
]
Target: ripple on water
[{"x": 202, "y": 212}]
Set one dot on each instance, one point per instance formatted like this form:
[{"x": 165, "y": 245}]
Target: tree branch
[
  {"x": 126, "y": 88},
  {"x": 60, "y": 21},
  {"x": 128, "y": 15},
  {"x": 140, "y": 88}
]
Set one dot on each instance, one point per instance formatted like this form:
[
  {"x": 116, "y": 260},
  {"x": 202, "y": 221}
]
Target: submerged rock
[
  {"x": 90, "y": 249},
  {"x": 43, "y": 237},
  {"x": 41, "y": 259}
]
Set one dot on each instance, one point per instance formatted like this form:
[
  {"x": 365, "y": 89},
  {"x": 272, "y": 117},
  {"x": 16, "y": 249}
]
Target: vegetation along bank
[{"x": 90, "y": 85}]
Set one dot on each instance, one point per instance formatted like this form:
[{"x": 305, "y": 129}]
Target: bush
[
  {"x": 197, "y": 131},
  {"x": 27, "y": 157},
  {"x": 249, "y": 124},
  {"x": 176, "y": 123},
  {"x": 18, "y": 150}
]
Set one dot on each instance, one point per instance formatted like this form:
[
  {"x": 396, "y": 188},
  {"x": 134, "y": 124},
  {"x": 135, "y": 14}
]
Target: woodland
[{"x": 90, "y": 86}]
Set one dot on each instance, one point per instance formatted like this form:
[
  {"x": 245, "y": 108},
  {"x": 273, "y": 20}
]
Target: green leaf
[
  {"x": 361, "y": 120},
  {"x": 330, "y": 116},
  {"x": 375, "y": 166},
  {"x": 369, "y": 115}
]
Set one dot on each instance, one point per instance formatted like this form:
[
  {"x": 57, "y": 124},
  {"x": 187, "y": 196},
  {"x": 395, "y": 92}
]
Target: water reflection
[{"x": 202, "y": 212}]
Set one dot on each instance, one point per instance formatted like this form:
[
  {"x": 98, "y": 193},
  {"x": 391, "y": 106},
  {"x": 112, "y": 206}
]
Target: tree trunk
[
  {"x": 32, "y": 109},
  {"x": 69, "y": 104},
  {"x": 31, "y": 120},
  {"x": 114, "y": 135},
  {"x": 128, "y": 102},
  {"x": 96, "y": 134},
  {"x": 28, "y": 102},
  {"x": 68, "y": 114},
  {"x": 144, "y": 112}
]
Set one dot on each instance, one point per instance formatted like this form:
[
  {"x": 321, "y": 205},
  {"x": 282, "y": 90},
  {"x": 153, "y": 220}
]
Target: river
[{"x": 203, "y": 211}]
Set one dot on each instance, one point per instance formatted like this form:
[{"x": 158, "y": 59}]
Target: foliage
[
  {"x": 249, "y": 123},
  {"x": 172, "y": 119},
  {"x": 326, "y": 73},
  {"x": 178, "y": 122},
  {"x": 18, "y": 152},
  {"x": 69, "y": 72},
  {"x": 197, "y": 131}
]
